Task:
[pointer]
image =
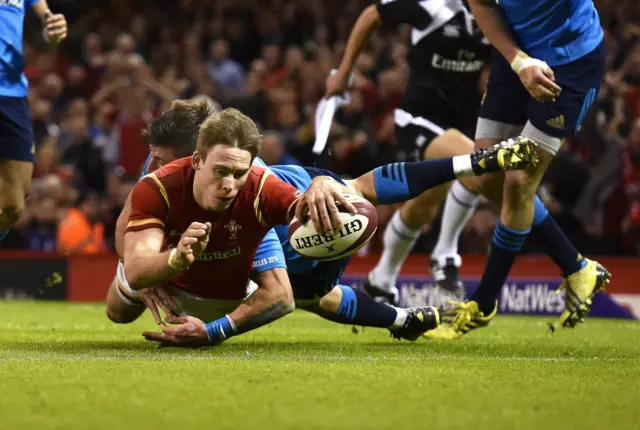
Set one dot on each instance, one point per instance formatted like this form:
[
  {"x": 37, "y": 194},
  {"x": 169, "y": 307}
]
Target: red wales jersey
[{"x": 164, "y": 199}]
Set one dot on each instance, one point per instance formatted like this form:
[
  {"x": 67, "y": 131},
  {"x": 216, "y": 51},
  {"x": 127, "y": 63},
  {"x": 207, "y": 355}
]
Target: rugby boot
[
  {"x": 464, "y": 317},
  {"x": 512, "y": 154},
  {"x": 418, "y": 321},
  {"x": 579, "y": 288},
  {"x": 380, "y": 294},
  {"x": 447, "y": 277}
]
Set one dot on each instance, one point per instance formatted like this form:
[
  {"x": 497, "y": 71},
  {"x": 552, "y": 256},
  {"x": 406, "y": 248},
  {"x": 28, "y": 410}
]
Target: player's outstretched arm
[
  {"x": 368, "y": 21},
  {"x": 535, "y": 75},
  {"x": 388, "y": 12}
]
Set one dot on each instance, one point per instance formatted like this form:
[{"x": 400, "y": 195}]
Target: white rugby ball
[{"x": 356, "y": 231}]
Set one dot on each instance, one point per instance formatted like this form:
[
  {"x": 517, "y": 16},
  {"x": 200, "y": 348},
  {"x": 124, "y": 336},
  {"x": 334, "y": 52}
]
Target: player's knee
[
  {"x": 449, "y": 144},
  {"x": 460, "y": 140},
  {"x": 330, "y": 302},
  {"x": 9, "y": 215}
]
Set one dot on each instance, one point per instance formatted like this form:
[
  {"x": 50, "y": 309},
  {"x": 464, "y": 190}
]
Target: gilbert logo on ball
[{"x": 356, "y": 231}]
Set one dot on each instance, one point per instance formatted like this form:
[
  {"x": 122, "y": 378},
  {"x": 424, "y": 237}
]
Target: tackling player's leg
[{"x": 346, "y": 305}]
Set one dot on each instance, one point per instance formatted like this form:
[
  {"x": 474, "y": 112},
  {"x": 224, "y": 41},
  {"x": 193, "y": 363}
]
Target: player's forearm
[
  {"x": 145, "y": 269},
  {"x": 264, "y": 306},
  {"x": 368, "y": 21},
  {"x": 271, "y": 301},
  {"x": 493, "y": 25},
  {"x": 41, "y": 9}
]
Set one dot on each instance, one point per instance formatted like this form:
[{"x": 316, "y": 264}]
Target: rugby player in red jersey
[{"x": 196, "y": 223}]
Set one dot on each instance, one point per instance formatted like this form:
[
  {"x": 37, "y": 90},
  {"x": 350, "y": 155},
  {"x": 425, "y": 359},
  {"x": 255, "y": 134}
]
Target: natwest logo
[{"x": 531, "y": 298}]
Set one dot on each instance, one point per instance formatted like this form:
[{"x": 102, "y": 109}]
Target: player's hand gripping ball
[{"x": 356, "y": 231}]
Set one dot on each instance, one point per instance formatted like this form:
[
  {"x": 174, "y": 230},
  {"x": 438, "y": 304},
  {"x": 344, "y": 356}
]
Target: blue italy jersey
[
  {"x": 554, "y": 31},
  {"x": 13, "y": 82},
  {"x": 298, "y": 177},
  {"x": 145, "y": 167}
]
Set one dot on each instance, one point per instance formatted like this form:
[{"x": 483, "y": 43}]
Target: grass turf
[{"x": 65, "y": 366}]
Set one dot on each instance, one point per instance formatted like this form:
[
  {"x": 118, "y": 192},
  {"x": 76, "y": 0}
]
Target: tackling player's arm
[
  {"x": 536, "y": 75},
  {"x": 55, "y": 25},
  {"x": 392, "y": 13}
]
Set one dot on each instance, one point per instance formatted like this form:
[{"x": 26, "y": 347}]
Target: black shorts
[
  {"x": 318, "y": 281},
  {"x": 315, "y": 171},
  {"x": 415, "y": 132},
  {"x": 507, "y": 101},
  {"x": 16, "y": 134}
]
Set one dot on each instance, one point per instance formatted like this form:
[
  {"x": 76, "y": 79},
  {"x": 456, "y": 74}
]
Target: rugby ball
[{"x": 356, "y": 230}]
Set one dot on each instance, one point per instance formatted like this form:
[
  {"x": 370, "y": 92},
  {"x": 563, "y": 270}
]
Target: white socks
[
  {"x": 458, "y": 208},
  {"x": 398, "y": 240},
  {"x": 462, "y": 166}
]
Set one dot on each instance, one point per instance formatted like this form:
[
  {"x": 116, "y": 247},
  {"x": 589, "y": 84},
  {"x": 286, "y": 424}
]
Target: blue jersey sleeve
[
  {"x": 30, "y": 3},
  {"x": 145, "y": 167},
  {"x": 269, "y": 254}
]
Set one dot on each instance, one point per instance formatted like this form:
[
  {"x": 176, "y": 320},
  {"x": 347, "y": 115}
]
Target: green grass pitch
[{"x": 65, "y": 366}]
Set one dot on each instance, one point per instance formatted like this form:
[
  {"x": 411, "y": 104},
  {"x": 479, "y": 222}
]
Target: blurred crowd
[{"x": 124, "y": 62}]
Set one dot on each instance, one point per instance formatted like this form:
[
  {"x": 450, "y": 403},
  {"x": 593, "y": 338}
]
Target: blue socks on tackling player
[
  {"x": 557, "y": 245},
  {"x": 507, "y": 242},
  {"x": 221, "y": 329},
  {"x": 358, "y": 308},
  {"x": 400, "y": 182}
]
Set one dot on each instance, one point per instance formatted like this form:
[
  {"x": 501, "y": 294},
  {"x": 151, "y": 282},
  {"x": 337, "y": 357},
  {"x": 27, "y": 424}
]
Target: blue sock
[
  {"x": 557, "y": 245},
  {"x": 507, "y": 242},
  {"x": 400, "y": 182},
  {"x": 360, "y": 309}
]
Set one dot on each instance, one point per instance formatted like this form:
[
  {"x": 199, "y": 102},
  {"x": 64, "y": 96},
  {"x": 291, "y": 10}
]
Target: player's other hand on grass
[
  {"x": 55, "y": 28},
  {"x": 159, "y": 297},
  {"x": 320, "y": 199},
  {"x": 537, "y": 77},
  {"x": 190, "y": 332}
]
